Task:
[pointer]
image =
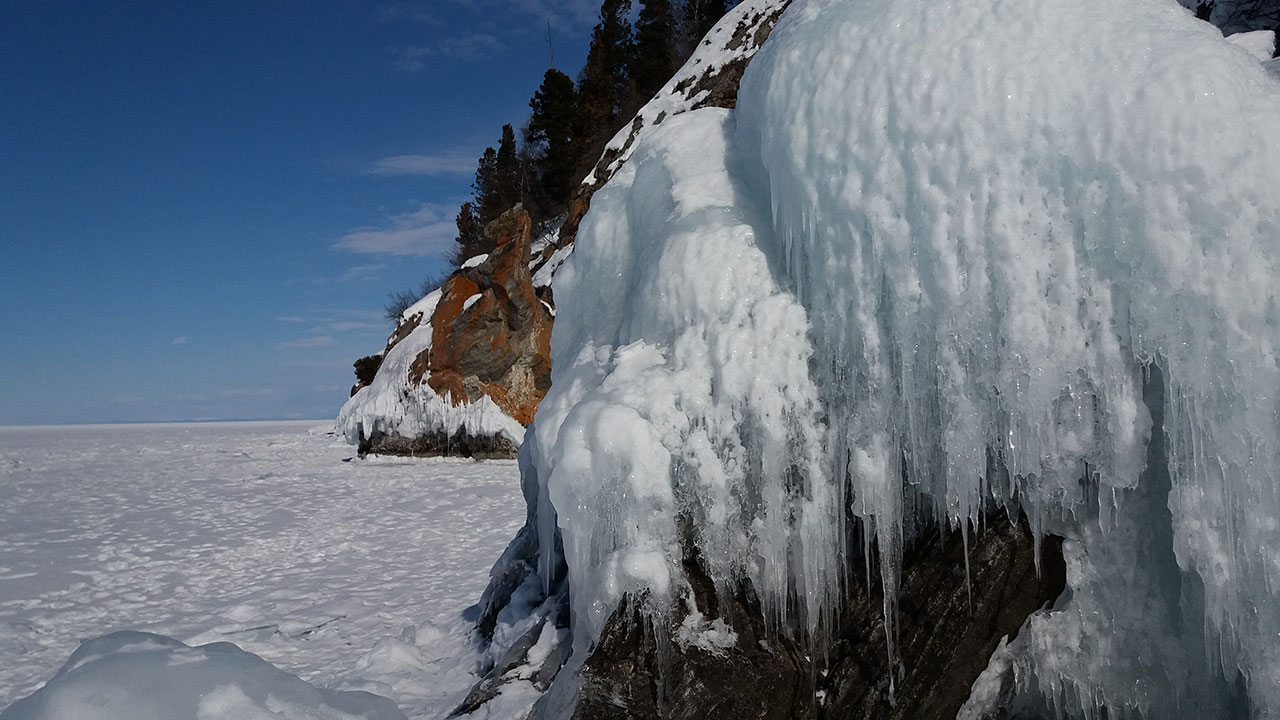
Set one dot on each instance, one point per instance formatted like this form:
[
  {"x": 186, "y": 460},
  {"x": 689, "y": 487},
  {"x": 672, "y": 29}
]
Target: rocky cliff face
[
  {"x": 491, "y": 334},
  {"x": 717, "y": 657},
  {"x": 466, "y": 366},
  {"x": 490, "y": 327}
]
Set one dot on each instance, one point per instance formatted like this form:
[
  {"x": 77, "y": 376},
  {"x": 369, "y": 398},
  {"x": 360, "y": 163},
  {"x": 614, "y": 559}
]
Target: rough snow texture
[
  {"x": 1259, "y": 43},
  {"x": 144, "y": 676},
  {"x": 948, "y": 270},
  {"x": 351, "y": 575},
  {"x": 392, "y": 405}
]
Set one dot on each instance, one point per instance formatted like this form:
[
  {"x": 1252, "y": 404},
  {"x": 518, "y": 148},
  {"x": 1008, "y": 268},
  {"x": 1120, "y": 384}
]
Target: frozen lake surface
[{"x": 351, "y": 575}]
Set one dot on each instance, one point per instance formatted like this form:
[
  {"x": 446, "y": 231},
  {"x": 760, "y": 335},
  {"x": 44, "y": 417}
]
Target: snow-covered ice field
[{"x": 351, "y": 575}]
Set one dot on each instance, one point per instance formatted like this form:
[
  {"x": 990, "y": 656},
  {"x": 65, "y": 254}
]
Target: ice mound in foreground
[
  {"x": 1031, "y": 259},
  {"x": 142, "y": 676}
]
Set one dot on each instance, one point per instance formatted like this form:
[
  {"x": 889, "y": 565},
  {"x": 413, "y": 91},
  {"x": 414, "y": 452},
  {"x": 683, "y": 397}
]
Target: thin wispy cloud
[
  {"x": 446, "y": 163},
  {"x": 350, "y": 325},
  {"x": 410, "y": 59},
  {"x": 569, "y": 14},
  {"x": 429, "y": 230},
  {"x": 310, "y": 342},
  {"x": 562, "y": 14},
  {"x": 361, "y": 273},
  {"x": 329, "y": 326},
  {"x": 180, "y": 340},
  {"x": 413, "y": 12},
  {"x": 248, "y": 392},
  {"x": 471, "y": 46}
]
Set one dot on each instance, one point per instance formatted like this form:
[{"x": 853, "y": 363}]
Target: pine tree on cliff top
[
  {"x": 656, "y": 56},
  {"x": 497, "y": 184},
  {"x": 604, "y": 85},
  {"x": 553, "y": 131},
  {"x": 697, "y": 19},
  {"x": 470, "y": 240}
]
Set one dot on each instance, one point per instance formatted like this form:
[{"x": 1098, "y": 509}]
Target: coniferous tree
[
  {"x": 570, "y": 124},
  {"x": 507, "y": 189},
  {"x": 471, "y": 240},
  {"x": 699, "y": 16},
  {"x": 553, "y": 131},
  {"x": 485, "y": 187},
  {"x": 497, "y": 184},
  {"x": 656, "y": 56},
  {"x": 604, "y": 85}
]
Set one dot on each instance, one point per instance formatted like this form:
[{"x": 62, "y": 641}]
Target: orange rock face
[{"x": 491, "y": 335}]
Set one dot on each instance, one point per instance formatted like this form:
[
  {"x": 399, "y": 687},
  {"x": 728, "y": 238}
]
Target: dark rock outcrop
[
  {"x": 366, "y": 370},
  {"x": 459, "y": 444},
  {"x": 948, "y": 627},
  {"x": 491, "y": 334}
]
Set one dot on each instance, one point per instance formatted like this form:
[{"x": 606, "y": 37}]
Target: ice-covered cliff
[{"x": 940, "y": 259}]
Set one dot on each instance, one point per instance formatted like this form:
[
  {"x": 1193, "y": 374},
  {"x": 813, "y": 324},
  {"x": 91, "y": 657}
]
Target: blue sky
[{"x": 203, "y": 206}]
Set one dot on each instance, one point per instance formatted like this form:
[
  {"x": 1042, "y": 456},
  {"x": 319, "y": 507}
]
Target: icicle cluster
[{"x": 996, "y": 215}]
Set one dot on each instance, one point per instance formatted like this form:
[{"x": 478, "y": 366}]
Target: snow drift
[
  {"x": 938, "y": 257},
  {"x": 151, "y": 677}
]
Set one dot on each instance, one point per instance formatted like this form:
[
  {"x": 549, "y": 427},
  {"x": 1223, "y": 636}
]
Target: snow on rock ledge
[
  {"x": 142, "y": 676},
  {"x": 396, "y": 416}
]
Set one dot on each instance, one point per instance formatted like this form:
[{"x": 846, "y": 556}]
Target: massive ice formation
[{"x": 944, "y": 254}]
